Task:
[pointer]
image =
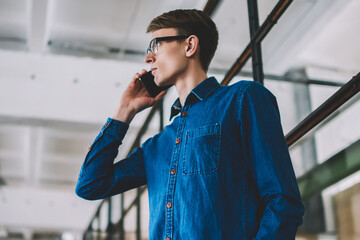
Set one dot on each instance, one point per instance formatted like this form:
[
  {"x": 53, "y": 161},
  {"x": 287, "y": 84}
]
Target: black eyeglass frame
[{"x": 159, "y": 39}]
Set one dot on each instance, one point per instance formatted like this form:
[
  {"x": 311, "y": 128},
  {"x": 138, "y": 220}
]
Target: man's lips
[{"x": 152, "y": 69}]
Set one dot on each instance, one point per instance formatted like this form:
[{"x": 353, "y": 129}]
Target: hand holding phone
[{"x": 149, "y": 84}]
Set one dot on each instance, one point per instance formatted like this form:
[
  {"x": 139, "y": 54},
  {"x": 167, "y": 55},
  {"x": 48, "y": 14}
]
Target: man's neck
[{"x": 187, "y": 83}]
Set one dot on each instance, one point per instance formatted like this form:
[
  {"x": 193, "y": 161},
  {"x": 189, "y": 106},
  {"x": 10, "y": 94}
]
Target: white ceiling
[
  {"x": 53, "y": 51},
  {"x": 109, "y": 28}
]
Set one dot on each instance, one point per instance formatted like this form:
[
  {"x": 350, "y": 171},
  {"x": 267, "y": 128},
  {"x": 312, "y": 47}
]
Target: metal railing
[
  {"x": 324, "y": 110},
  {"x": 258, "y": 36}
]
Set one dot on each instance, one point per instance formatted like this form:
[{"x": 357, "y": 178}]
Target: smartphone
[{"x": 148, "y": 82}]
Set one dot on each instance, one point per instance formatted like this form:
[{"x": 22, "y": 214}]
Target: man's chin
[
  {"x": 159, "y": 82},
  {"x": 162, "y": 82}
]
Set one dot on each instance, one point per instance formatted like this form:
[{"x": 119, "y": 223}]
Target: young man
[{"x": 221, "y": 169}]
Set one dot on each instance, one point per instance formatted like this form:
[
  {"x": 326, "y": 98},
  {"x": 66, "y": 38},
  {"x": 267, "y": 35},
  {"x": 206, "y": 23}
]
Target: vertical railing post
[
  {"x": 109, "y": 228},
  {"x": 138, "y": 207},
  {"x": 98, "y": 232},
  {"x": 161, "y": 113},
  {"x": 257, "y": 67},
  {"x": 121, "y": 228},
  {"x": 138, "y": 215},
  {"x": 308, "y": 160}
]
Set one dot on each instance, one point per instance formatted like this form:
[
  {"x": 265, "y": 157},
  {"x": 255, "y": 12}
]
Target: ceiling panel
[
  {"x": 14, "y": 19},
  {"x": 91, "y": 22}
]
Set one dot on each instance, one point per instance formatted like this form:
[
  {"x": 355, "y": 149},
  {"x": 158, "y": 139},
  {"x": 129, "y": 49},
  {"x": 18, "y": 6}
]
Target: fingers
[
  {"x": 144, "y": 92},
  {"x": 160, "y": 95},
  {"x": 136, "y": 76},
  {"x": 143, "y": 71}
]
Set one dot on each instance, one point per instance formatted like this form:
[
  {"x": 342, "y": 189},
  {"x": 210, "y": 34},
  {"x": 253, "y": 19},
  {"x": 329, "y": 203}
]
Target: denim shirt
[{"x": 220, "y": 170}]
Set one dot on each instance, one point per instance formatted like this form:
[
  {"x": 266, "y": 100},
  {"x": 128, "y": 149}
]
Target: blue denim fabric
[{"x": 229, "y": 175}]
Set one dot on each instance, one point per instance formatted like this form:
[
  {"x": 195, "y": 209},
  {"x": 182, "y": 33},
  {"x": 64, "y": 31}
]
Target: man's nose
[{"x": 149, "y": 58}]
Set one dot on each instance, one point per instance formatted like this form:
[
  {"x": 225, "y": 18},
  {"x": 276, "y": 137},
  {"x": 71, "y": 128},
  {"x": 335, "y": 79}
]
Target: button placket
[{"x": 169, "y": 222}]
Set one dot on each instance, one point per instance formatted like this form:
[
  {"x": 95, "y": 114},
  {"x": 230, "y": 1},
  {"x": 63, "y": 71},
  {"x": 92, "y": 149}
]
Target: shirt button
[
  {"x": 184, "y": 113},
  {"x": 168, "y": 205},
  {"x": 106, "y": 124},
  {"x": 177, "y": 140},
  {"x": 173, "y": 171},
  {"x": 89, "y": 148}
]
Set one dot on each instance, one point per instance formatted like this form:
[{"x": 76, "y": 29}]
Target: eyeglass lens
[{"x": 152, "y": 47}]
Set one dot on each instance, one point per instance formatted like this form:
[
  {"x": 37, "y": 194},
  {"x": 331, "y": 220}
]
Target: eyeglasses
[{"x": 154, "y": 43}]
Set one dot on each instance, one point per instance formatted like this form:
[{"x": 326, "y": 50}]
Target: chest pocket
[{"x": 202, "y": 150}]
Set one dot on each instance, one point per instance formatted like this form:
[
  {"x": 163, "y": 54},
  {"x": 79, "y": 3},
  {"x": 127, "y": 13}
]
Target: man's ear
[{"x": 192, "y": 45}]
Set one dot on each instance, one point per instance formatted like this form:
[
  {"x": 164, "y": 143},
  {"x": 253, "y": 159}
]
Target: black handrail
[
  {"x": 324, "y": 110},
  {"x": 211, "y": 6},
  {"x": 145, "y": 126},
  {"x": 260, "y": 34}
]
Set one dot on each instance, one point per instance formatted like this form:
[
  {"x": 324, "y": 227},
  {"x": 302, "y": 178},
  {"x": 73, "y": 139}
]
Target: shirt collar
[{"x": 199, "y": 93}]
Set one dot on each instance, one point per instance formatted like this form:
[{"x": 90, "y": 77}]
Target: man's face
[{"x": 169, "y": 62}]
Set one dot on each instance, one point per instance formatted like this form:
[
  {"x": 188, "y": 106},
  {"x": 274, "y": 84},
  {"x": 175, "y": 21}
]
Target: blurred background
[{"x": 65, "y": 63}]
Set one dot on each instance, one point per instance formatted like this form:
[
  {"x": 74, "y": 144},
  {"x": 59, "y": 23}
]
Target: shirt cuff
[{"x": 115, "y": 128}]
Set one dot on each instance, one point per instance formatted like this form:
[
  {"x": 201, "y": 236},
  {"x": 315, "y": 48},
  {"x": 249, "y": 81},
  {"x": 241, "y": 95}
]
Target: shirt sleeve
[
  {"x": 99, "y": 177},
  {"x": 270, "y": 164}
]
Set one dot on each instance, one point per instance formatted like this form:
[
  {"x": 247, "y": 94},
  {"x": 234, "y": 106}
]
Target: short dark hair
[{"x": 191, "y": 22}]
